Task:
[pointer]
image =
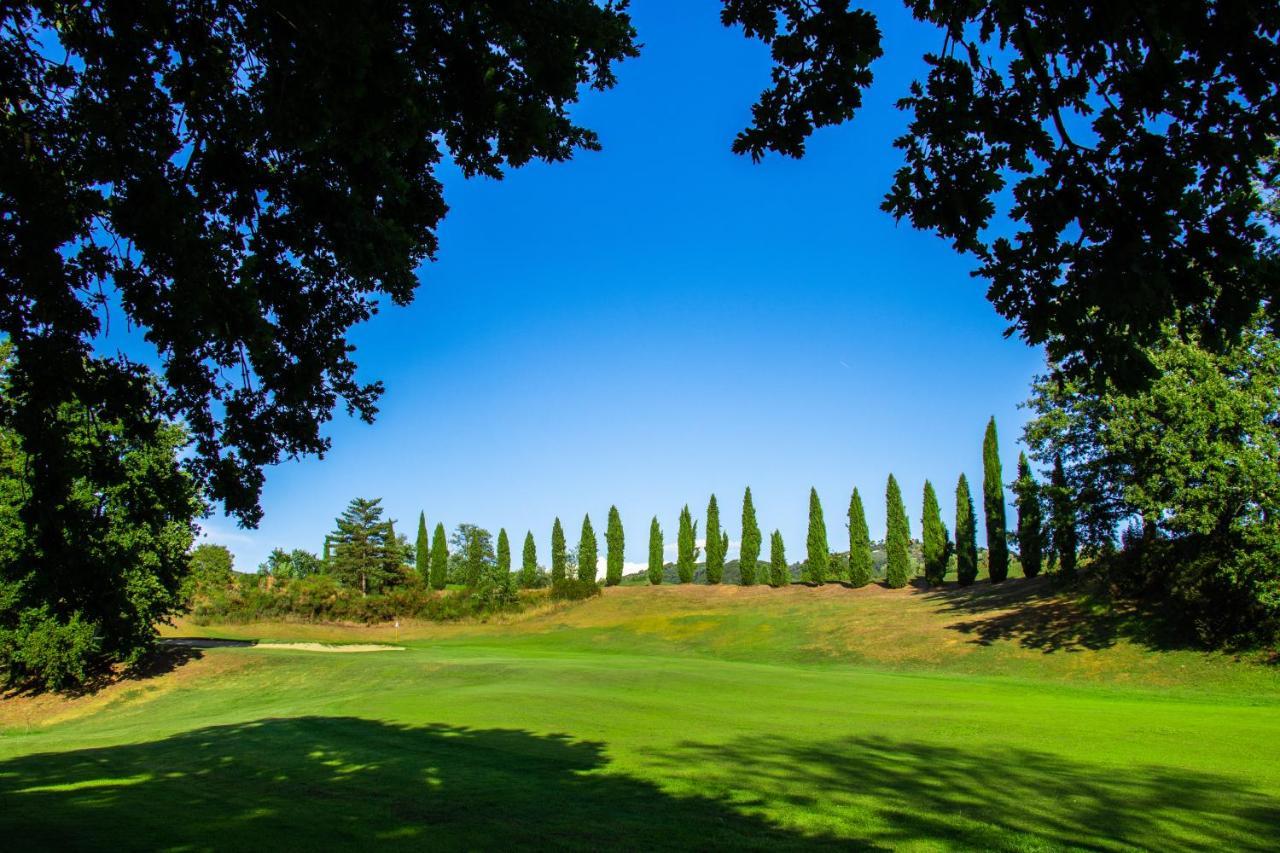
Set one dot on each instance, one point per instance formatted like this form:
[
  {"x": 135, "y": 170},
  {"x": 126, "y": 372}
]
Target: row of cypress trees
[{"x": 937, "y": 546}]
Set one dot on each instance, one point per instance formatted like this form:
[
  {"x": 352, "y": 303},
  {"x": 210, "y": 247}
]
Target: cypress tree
[
  {"x": 779, "y": 572},
  {"x": 439, "y": 558},
  {"x": 993, "y": 506},
  {"x": 715, "y": 544},
  {"x": 421, "y": 549},
  {"x": 1030, "y": 520},
  {"x": 655, "y": 552},
  {"x": 476, "y": 556},
  {"x": 587, "y": 552},
  {"x": 615, "y": 543},
  {"x": 558, "y": 556},
  {"x": 818, "y": 552},
  {"x": 1064, "y": 520},
  {"x": 327, "y": 540},
  {"x": 686, "y": 546},
  {"x": 749, "y": 553},
  {"x": 861, "y": 566},
  {"x": 934, "y": 538},
  {"x": 504, "y": 556},
  {"x": 529, "y": 565},
  {"x": 897, "y": 540},
  {"x": 966, "y": 534}
]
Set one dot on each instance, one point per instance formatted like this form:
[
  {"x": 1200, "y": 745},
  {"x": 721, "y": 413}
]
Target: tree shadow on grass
[
  {"x": 894, "y": 793},
  {"x": 161, "y": 661},
  {"x": 1044, "y": 614},
  {"x": 325, "y": 783}
]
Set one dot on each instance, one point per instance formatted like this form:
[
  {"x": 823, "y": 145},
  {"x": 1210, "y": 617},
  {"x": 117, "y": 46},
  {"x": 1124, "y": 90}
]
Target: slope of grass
[{"x": 674, "y": 718}]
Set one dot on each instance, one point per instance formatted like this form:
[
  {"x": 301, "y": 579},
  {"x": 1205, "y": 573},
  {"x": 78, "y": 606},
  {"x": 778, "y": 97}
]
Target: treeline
[{"x": 367, "y": 571}]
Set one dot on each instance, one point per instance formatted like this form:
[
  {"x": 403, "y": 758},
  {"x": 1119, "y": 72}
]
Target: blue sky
[{"x": 661, "y": 320}]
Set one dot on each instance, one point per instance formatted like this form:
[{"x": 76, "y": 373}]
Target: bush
[
  {"x": 1221, "y": 590},
  {"x": 322, "y": 599},
  {"x": 43, "y": 649},
  {"x": 573, "y": 589}
]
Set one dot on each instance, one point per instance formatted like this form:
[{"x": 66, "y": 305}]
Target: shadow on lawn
[
  {"x": 322, "y": 783},
  {"x": 161, "y": 661},
  {"x": 901, "y": 793},
  {"x": 1044, "y": 614}
]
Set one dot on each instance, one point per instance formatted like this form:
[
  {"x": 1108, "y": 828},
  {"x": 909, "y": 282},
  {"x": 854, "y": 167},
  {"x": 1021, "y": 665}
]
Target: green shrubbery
[
  {"x": 322, "y": 599},
  {"x": 574, "y": 589}
]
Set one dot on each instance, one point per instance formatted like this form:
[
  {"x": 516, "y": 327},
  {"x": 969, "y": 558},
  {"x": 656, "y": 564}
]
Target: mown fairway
[{"x": 670, "y": 718}]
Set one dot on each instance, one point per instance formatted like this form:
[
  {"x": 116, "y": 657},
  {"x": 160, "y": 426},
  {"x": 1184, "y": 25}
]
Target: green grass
[{"x": 673, "y": 718}]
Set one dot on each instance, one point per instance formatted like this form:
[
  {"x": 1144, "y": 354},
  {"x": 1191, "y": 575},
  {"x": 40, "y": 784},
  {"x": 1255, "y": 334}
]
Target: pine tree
[
  {"x": 966, "y": 535},
  {"x": 749, "y": 553},
  {"x": 588, "y": 554},
  {"x": 934, "y": 538},
  {"x": 422, "y": 548},
  {"x": 861, "y": 566},
  {"x": 558, "y": 556},
  {"x": 327, "y": 541},
  {"x": 897, "y": 540},
  {"x": 504, "y": 556},
  {"x": 439, "y": 558},
  {"x": 1030, "y": 519},
  {"x": 779, "y": 572},
  {"x": 655, "y": 552},
  {"x": 686, "y": 546},
  {"x": 616, "y": 544},
  {"x": 529, "y": 565},
  {"x": 1064, "y": 520},
  {"x": 818, "y": 552},
  {"x": 365, "y": 553},
  {"x": 715, "y": 544},
  {"x": 993, "y": 506}
]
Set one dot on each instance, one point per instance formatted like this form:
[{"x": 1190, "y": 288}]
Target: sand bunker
[
  {"x": 322, "y": 647},
  {"x": 339, "y": 648}
]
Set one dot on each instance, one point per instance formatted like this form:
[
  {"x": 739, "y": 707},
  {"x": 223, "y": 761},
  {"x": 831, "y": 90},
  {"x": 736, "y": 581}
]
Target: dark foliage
[{"x": 1102, "y": 163}]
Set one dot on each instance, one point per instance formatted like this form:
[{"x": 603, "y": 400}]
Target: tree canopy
[{"x": 1104, "y": 165}]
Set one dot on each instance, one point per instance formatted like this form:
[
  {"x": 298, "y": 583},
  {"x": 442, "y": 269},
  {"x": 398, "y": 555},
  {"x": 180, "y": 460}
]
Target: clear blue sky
[{"x": 662, "y": 320}]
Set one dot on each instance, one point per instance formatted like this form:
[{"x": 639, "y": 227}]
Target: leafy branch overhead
[{"x": 1107, "y": 166}]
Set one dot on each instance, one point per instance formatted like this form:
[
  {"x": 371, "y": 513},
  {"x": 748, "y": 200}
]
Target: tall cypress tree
[
  {"x": 529, "y": 564},
  {"x": 327, "y": 541},
  {"x": 686, "y": 546},
  {"x": 993, "y": 506},
  {"x": 749, "y": 553},
  {"x": 504, "y": 556},
  {"x": 715, "y": 544},
  {"x": 819, "y": 554},
  {"x": 779, "y": 572},
  {"x": 655, "y": 552},
  {"x": 558, "y": 556},
  {"x": 422, "y": 549},
  {"x": 616, "y": 545},
  {"x": 861, "y": 565},
  {"x": 587, "y": 552},
  {"x": 897, "y": 540},
  {"x": 439, "y": 558},
  {"x": 966, "y": 534},
  {"x": 934, "y": 538},
  {"x": 1030, "y": 519},
  {"x": 1064, "y": 520}
]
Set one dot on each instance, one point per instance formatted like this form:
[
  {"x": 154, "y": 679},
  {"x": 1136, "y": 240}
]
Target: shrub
[
  {"x": 574, "y": 589},
  {"x": 48, "y": 651}
]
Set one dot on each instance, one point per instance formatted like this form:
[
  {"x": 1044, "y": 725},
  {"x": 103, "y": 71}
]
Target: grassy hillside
[{"x": 1009, "y": 718}]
